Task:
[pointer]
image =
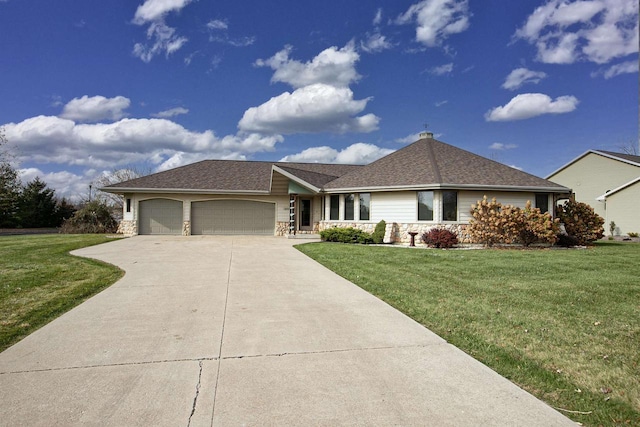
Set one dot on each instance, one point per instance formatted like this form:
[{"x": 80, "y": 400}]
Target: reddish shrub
[{"x": 439, "y": 238}]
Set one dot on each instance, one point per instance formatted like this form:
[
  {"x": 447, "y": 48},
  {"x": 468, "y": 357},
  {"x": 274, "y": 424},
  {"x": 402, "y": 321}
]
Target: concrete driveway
[{"x": 231, "y": 331}]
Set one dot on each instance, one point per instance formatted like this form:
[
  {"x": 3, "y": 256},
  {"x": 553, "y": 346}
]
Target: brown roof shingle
[
  {"x": 425, "y": 163},
  {"x": 233, "y": 175},
  {"x": 428, "y": 162}
]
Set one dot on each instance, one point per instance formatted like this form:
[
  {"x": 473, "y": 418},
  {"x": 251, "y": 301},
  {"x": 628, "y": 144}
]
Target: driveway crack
[
  {"x": 195, "y": 398},
  {"x": 224, "y": 320}
]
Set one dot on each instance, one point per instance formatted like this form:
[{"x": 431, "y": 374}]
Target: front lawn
[
  {"x": 562, "y": 324},
  {"x": 40, "y": 280}
]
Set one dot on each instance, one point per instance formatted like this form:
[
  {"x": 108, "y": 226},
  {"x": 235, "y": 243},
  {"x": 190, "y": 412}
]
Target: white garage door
[
  {"x": 233, "y": 217},
  {"x": 160, "y": 216}
]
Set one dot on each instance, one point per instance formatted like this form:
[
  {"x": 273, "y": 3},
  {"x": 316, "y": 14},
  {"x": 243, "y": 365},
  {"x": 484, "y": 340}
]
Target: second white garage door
[{"x": 233, "y": 217}]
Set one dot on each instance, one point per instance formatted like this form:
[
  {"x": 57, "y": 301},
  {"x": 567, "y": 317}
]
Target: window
[
  {"x": 334, "y": 208},
  {"x": 449, "y": 205},
  {"x": 349, "y": 206},
  {"x": 425, "y": 205},
  {"x": 365, "y": 203},
  {"x": 128, "y": 205},
  {"x": 542, "y": 202}
]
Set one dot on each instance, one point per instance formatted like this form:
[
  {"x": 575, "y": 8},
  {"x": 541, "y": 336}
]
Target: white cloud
[
  {"x": 501, "y": 147},
  {"x": 322, "y": 100},
  {"x": 332, "y": 66},
  {"x": 235, "y": 42},
  {"x": 95, "y": 108},
  {"x": 314, "y": 108},
  {"x": 154, "y": 10},
  {"x": 66, "y": 184},
  {"x": 163, "y": 39},
  {"x": 441, "y": 103},
  {"x": 520, "y": 76},
  {"x": 529, "y": 105},
  {"x": 436, "y": 20},
  {"x": 441, "y": 70},
  {"x": 47, "y": 139},
  {"x": 566, "y": 31},
  {"x": 217, "y": 24},
  {"x": 171, "y": 112},
  {"x": 355, "y": 154},
  {"x": 375, "y": 43},
  {"x": 617, "y": 69},
  {"x": 409, "y": 138},
  {"x": 377, "y": 19},
  {"x": 218, "y": 33}
]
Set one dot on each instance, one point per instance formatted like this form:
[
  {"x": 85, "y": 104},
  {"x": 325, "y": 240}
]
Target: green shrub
[
  {"x": 439, "y": 238},
  {"x": 632, "y": 234},
  {"x": 581, "y": 222},
  {"x": 346, "y": 235},
  {"x": 378, "y": 233}
]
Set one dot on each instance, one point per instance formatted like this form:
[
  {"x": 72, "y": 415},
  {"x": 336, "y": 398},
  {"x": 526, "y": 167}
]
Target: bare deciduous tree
[
  {"x": 630, "y": 148},
  {"x": 114, "y": 177}
]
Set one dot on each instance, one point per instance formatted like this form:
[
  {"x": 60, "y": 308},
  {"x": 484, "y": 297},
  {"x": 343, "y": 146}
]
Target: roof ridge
[{"x": 432, "y": 159}]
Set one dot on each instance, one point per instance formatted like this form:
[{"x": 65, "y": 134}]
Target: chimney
[{"x": 426, "y": 135}]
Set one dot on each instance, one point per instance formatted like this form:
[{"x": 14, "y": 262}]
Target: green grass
[
  {"x": 40, "y": 280},
  {"x": 562, "y": 324}
]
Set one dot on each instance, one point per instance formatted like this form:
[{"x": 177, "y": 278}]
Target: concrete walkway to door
[{"x": 229, "y": 331}]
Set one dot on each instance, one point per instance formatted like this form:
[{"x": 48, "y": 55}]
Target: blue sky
[{"x": 88, "y": 87}]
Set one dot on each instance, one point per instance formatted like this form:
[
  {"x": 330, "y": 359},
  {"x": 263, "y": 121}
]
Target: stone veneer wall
[
  {"x": 186, "y": 228},
  {"x": 282, "y": 228},
  {"x": 399, "y": 232},
  {"x": 128, "y": 227}
]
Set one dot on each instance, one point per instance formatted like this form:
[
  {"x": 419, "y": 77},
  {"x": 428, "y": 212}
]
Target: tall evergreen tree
[{"x": 38, "y": 207}]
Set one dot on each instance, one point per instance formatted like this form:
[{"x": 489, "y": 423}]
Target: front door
[{"x": 305, "y": 214}]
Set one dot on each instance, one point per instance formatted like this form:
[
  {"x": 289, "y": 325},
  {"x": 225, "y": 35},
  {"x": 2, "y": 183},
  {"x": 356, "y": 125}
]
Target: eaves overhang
[
  {"x": 511, "y": 188},
  {"x": 604, "y": 196},
  {"x": 121, "y": 190},
  {"x": 295, "y": 179}
]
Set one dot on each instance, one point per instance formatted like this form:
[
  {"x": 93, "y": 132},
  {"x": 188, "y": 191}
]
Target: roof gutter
[
  {"x": 512, "y": 188},
  {"x": 120, "y": 190}
]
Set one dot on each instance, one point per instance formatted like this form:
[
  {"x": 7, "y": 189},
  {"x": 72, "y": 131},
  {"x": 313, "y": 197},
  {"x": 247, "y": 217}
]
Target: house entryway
[{"x": 305, "y": 214}]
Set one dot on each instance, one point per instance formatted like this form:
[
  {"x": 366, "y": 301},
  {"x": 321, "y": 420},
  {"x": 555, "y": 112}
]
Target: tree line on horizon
[{"x": 35, "y": 205}]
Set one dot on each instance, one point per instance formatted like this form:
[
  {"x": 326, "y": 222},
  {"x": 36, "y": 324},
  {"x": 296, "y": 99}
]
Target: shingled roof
[
  {"x": 430, "y": 163},
  {"x": 231, "y": 176},
  {"x": 427, "y": 163},
  {"x": 629, "y": 158}
]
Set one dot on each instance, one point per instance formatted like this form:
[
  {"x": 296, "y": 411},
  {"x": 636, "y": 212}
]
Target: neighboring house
[
  {"x": 608, "y": 182},
  {"x": 425, "y": 184}
]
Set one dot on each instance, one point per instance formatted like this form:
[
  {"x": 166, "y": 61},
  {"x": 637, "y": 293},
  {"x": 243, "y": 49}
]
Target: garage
[
  {"x": 233, "y": 217},
  {"x": 160, "y": 216}
]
